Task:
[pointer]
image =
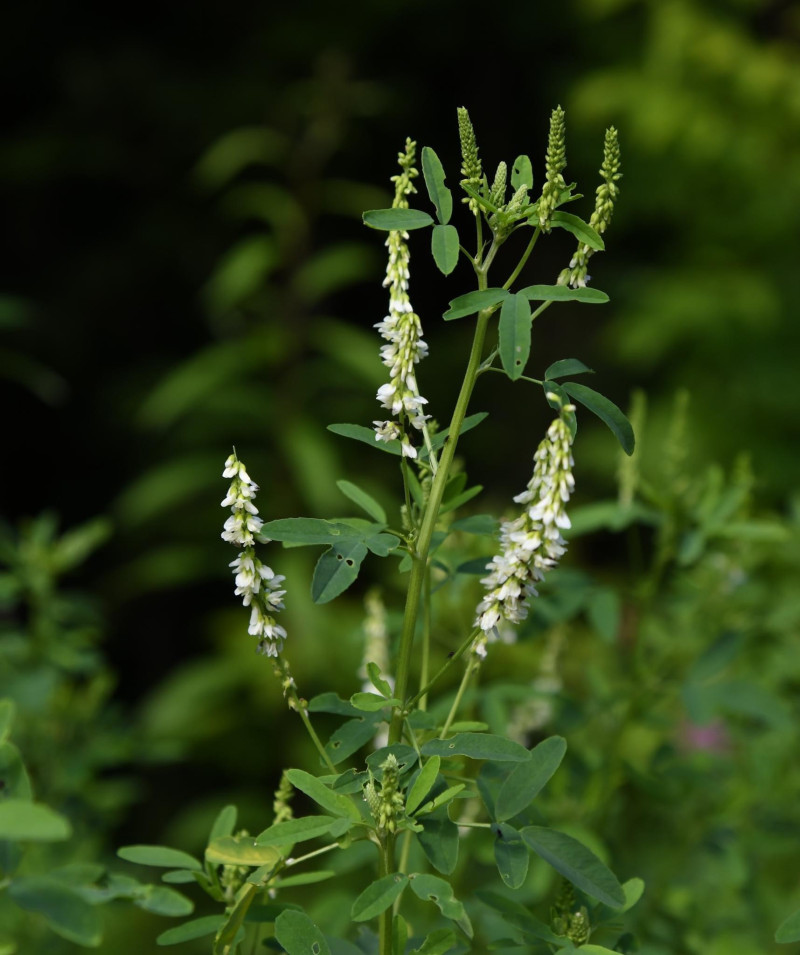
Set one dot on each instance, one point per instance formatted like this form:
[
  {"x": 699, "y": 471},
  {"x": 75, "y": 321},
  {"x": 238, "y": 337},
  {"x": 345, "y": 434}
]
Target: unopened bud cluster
[
  {"x": 471, "y": 168},
  {"x": 607, "y": 192},
  {"x": 401, "y": 328},
  {"x": 555, "y": 162},
  {"x": 386, "y": 804},
  {"x": 532, "y": 543},
  {"x": 257, "y": 585}
]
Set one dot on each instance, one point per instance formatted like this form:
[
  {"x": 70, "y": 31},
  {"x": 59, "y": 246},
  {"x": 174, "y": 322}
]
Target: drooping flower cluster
[
  {"x": 532, "y": 543},
  {"x": 607, "y": 192},
  {"x": 257, "y": 585},
  {"x": 401, "y": 328}
]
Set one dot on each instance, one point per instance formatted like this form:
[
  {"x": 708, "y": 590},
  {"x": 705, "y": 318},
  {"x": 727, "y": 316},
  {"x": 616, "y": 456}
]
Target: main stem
[{"x": 423, "y": 542}]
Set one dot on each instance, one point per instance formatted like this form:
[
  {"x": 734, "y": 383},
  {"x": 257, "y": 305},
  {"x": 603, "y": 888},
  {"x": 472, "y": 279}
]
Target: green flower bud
[
  {"x": 555, "y": 162},
  {"x": 471, "y": 168},
  {"x": 497, "y": 195}
]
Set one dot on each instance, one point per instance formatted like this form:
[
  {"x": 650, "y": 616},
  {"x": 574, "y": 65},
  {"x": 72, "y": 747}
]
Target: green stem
[
  {"x": 426, "y": 640},
  {"x": 445, "y": 667},
  {"x": 301, "y": 707},
  {"x": 423, "y": 543},
  {"x": 525, "y": 256},
  {"x": 385, "y": 918},
  {"x": 468, "y": 671}
]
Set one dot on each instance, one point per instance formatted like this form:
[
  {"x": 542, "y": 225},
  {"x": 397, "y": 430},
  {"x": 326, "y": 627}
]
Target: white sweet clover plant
[{"x": 430, "y": 778}]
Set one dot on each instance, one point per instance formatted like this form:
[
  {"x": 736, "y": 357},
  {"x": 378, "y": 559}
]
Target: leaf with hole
[
  {"x": 434, "y": 174},
  {"x": 298, "y": 935},
  {"x": 336, "y": 570},
  {"x": 606, "y": 411},
  {"x": 522, "y": 173},
  {"x": 576, "y": 863},
  {"x": 396, "y": 220},
  {"x": 430, "y": 888},
  {"x": 444, "y": 247},
  {"x": 477, "y": 746},
  {"x": 515, "y": 335},
  {"x": 376, "y": 898}
]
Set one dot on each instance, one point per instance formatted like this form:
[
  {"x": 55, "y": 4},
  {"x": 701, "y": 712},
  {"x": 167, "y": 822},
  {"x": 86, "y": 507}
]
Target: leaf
[
  {"x": 197, "y": 928},
  {"x": 789, "y": 929},
  {"x": 455, "y": 502},
  {"x": 230, "y": 928},
  {"x": 596, "y": 950},
  {"x": 396, "y": 220},
  {"x": 161, "y": 900},
  {"x": 319, "y": 792},
  {"x": 470, "y": 422},
  {"x": 364, "y": 500},
  {"x": 366, "y": 436},
  {"x": 606, "y": 411},
  {"x": 376, "y": 898},
  {"x": 336, "y": 569},
  {"x": 233, "y": 850},
  {"x": 443, "y": 798},
  {"x": 64, "y": 910},
  {"x": 439, "y": 840},
  {"x": 382, "y": 544},
  {"x": 522, "y": 173},
  {"x": 423, "y": 783},
  {"x": 159, "y": 856},
  {"x": 567, "y": 366},
  {"x": 307, "y": 878},
  {"x": 6, "y": 718},
  {"x": 563, "y": 293},
  {"x": 179, "y": 877},
  {"x": 307, "y": 530},
  {"x": 434, "y": 175},
  {"x": 517, "y": 915},
  {"x": 526, "y": 781},
  {"x": 405, "y": 755},
  {"x": 634, "y": 890},
  {"x": 477, "y": 746},
  {"x": 224, "y": 824},
  {"x": 351, "y": 736},
  {"x": 582, "y": 231},
  {"x": 474, "y": 302},
  {"x": 372, "y": 702},
  {"x": 515, "y": 335},
  {"x": 399, "y": 935},
  {"x": 484, "y": 524},
  {"x": 297, "y": 830},
  {"x": 576, "y": 863},
  {"x": 21, "y": 821},
  {"x": 438, "y": 942},
  {"x": 381, "y": 685},
  {"x": 430, "y": 888},
  {"x": 511, "y": 855},
  {"x": 298, "y": 935},
  {"x": 445, "y": 247}
]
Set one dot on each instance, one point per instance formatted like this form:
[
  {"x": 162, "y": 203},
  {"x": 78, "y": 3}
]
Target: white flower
[{"x": 532, "y": 543}]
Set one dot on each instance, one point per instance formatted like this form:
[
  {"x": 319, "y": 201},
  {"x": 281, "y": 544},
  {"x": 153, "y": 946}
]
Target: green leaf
[
  {"x": 445, "y": 247},
  {"x": 336, "y": 570},
  {"x": 423, "y": 783},
  {"x": 606, "y": 411},
  {"x": 307, "y": 530},
  {"x": 477, "y": 746},
  {"x": 567, "y": 366},
  {"x": 439, "y": 840},
  {"x": 371, "y": 702},
  {"x": 484, "y": 524},
  {"x": 474, "y": 302},
  {"x": 351, "y": 736},
  {"x": 596, "y": 950},
  {"x": 405, "y": 755},
  {"x": 434, "y": 175},
  {"x": 396, "y": 220},
  {"x": 454, "y": 503},
  {"x": 307, "y": 878},
  {"x": 161, "y": 900},
  {"x": 376, "y": 898},
  {"x": 582, "y": 231},
  {"x": 563, "y": 293},
  {"x": 438, "y": 942},
  {"x": 297, "y": 830},
  {"x": 470, "y": 422},
  {"x": 22, "y": 821},
  {"x": 511, "y": 855},
  {"x": 526, "y": 781},
  {"x": 179, "y": 877},
  {"x": 399, "y": 935},
  {"x": 298, "y": 935},
  {"x": 230, "y": 929},
  {"x": 244, "y": 850},
  {"x": 14, "y": 774},
  {"x": 319, "y": 792},
  {"x": 224, "y": 824},
  {"x": 522, "y": 173},
  {"x": 197, "y": 928},
  {"x": 6, "y": 718},
  {"x": 634, "y": 890},
  {"x": 443, "y": 798},
  {"x": 576, "y": 863},
  {"x": 517, "y": 915},
  {"x": 381, "y": 685},
  {"x": 515, "y": 335},
  {"x": 64, "y": 910},
  {"x": 382, "y": 544},
  {"x": 789, "y": 929},
  {"x": 364, "y": 500},
  {"x": 366, "y": 436},
  {"x": 430, "y": 888},
  {"x": 159, "y": 856}
]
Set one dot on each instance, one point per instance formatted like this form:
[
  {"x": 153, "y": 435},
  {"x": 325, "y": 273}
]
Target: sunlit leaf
[
  {"x": 319, "y": 792},
  {"x": 396, "y": 220},
  {"x": 522, "y": 173},
  {"x": 580, "y": 229},
  {"x": 159, "y": 856},
  {"x": 22, "y": 820},
  {"x": 434, "y": 175}
]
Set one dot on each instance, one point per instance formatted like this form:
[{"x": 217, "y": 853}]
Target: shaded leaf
[
  {"x": 364, "y": 500},
  {"x": 64, "y": 910},
  {"x": 358, "y": 432},
  {"x": 376, "y": 898},
  {"x": 511, "y": 855},
  {"x": 159, "y": 856},
  {"x": 225, "y": 823},
  {"x": 307, "y": 530},
  {"x": 197, "y": 928},
  {"x": 515, "y": 335},
  {"x": 474, "y": 302},
  {"x": 430, "y": 888},
  {"x": 563, "y": 293},
  {"x": 518, "y": 916},
  {"x": 477, "y": 746},
  {"x": 161, "y": 900},
  {"x": 566, "y": 366},
  {"x": 526, "y": 781},
  {"x": 336, "y": 570},
  {"x": 789, "y": 929},
  {"x": 22, "y": 820},
  {"x": 606, "y": 411},
  {"x": 299, "y": 935}
]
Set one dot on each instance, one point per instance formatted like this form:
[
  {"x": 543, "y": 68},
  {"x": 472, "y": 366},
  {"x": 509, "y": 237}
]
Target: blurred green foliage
[{"x": 142, "y": 336}]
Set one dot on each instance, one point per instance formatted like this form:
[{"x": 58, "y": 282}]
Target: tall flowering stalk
[
  {"x": 555, "y": 163},
  {"x": 532, "y": 543},
  {"x": 606, "y": 196},
  {"x": 256, "y": 583},
  {"x": 401, "y": 328}
]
